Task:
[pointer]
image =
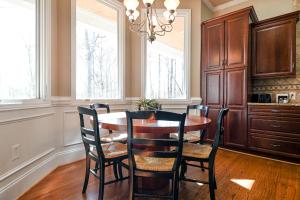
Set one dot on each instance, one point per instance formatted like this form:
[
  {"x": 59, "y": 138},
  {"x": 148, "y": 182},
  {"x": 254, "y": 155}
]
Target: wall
[
  {"x": 268, "y": 9},
  {"x": 61, "y": 80},
  {"x": 135, "y": 47}
]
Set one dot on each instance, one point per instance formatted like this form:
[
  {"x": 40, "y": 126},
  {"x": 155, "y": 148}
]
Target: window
[
  {"x": 98, "y": 49},
  {"x": 19, "y": 56},
  {"x": 167, "y": 62}
]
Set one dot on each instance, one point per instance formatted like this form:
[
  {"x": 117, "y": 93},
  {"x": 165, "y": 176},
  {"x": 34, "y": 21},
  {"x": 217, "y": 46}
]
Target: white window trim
[
  {"x": 186, "y": 13},
  {"x": 121, "y": 51},
  {"x": 43, "y": 20}
]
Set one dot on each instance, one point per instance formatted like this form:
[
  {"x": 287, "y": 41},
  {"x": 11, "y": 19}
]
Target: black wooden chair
[
  {"x": 103, "y": 154},
  {"x": 204, "y": 153},
  {"x": 195, "y": 136},
  {"x": 154, "y": 163},
  {"x": 111, "y": 137}
]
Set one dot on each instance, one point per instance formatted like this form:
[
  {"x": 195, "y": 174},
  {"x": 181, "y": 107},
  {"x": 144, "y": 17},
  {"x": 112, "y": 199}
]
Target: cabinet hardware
[
  {"x": 275, "y": 145},
  {"x": 275, "y": 111},
  {"x": 275, "y": 126},
  {"x": 293, "y": 66}
]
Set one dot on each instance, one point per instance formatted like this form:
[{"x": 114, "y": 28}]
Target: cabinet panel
[
  {"x": 274, "y": 46},
  {"x": 236, "y": 128},
  {"x": 236, "y": 41},
  {"x": 213, "y": 43},
  {"x": 236, "y": 87},
  {"x": 213, "y": 88}
]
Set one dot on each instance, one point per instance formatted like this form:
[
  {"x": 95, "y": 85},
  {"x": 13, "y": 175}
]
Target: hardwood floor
[{"x": 239, "y": 177}]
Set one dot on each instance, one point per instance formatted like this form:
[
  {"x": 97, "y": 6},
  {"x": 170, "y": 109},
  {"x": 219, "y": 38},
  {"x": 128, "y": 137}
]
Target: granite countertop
[{"x": 274, "y": 104}]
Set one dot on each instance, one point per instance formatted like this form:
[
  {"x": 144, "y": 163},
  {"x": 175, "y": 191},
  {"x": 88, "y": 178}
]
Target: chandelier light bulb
[
  {"x": 171, "y": 4},
  {"x": 170, "y": 17},
  {"x": 131, "y": 4}
]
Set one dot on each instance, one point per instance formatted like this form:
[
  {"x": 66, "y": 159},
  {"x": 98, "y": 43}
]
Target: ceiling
[
  {"x": 218, "y": 2},
  {"x": 216, "y": 5}
]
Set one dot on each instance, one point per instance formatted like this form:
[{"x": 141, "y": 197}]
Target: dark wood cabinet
[
  {"x": 274, "y": 130},
  {"x": 213, "y": 43},
  {"x": 274, "y": 47},
  {"x": 236, "y": 42},
  {"x": 225, "y": 49}
]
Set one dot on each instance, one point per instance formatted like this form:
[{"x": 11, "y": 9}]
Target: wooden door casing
[
  {"x": 213, "y": 43},
  {"x": 236, "y": 41}
]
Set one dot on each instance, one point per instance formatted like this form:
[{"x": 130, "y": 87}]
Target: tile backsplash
[{"x": 282, "y": 85}]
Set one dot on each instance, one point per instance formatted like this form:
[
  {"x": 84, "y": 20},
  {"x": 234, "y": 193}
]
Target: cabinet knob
[
  {"x": 275, "y": 111},
  {"x": 275, "y": 145},
  {"x": 275, "y": 126}
]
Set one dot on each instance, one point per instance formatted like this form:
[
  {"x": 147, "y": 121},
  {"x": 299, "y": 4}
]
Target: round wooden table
[
  {"x": 152, "y": 129},
  {"x": 117, "y": 122}
]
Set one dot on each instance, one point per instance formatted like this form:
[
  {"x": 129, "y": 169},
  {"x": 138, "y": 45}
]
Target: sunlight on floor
[{"x": 245, "y": 183}]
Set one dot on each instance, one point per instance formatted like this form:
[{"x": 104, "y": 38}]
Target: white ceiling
[{"x": 216, "y": 5}]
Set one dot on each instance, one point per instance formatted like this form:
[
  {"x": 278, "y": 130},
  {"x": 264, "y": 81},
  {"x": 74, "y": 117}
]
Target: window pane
[
  {"x": 18, "y": 77},
  {"x": 165, "y": 70},
  {"x": 97, "y": 66}
]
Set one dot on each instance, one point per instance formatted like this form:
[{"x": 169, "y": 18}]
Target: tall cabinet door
[
  {"x": 213, "y": 97},
  {"x": 236, "y": 41},
  {"x": 236, "y": 100},
  {"x": 213, "y": 43}
]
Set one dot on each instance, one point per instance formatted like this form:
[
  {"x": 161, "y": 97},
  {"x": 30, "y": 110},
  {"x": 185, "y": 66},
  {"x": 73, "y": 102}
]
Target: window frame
[
  {"x": 43, "y": 61},
  {"x": 186, "y": 13},
  {"x": 118, "y": 6}
]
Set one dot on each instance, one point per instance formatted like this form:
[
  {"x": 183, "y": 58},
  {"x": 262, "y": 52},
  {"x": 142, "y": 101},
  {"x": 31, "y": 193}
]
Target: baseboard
[{"x": 22, "y": 183}]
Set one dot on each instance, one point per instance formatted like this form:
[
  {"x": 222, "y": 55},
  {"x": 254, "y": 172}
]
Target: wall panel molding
[{"x": 26, "y": 118}]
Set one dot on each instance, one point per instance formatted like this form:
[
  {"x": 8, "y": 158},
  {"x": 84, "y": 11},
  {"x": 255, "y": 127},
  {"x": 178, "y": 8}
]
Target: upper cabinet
[
  {"x": 274, "y": 47},
  {"x": 225, "y": 40}
]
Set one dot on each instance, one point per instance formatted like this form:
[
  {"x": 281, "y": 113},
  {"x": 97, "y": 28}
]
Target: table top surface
[{"x": 117, "y": 121}]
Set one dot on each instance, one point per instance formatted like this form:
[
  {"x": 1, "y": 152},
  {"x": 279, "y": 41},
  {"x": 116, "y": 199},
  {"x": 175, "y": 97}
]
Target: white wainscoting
[{"x": 48, "y": 137}]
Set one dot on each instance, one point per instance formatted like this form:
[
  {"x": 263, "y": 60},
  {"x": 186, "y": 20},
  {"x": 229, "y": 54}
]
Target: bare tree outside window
[
  {"x": 18, "y": 67},
  {"x": 97, "y": 65},
  {"x": 165, "y": 69}
]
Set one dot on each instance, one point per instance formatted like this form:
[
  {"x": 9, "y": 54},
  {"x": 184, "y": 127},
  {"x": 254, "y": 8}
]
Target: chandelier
[{"x": 152, "y": 26}]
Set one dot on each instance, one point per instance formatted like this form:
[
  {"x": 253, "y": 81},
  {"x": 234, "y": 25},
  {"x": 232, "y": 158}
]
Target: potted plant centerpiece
[{"x": 148, "y": 104}]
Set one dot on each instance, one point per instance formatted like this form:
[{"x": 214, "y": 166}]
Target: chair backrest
[
  {"x": 90, "y": 136},
  {"x": 166, "y": 144},
  {"x": 159, "y": 107},
  {"x": 202, "y": 108},
  {"x": 219, "y": 132},
  {"x": 99, "y": 106},
  {"x": 203, "y": 112}
]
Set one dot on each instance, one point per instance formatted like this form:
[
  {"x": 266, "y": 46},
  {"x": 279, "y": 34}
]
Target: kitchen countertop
[{"x": 274, "y": 104}]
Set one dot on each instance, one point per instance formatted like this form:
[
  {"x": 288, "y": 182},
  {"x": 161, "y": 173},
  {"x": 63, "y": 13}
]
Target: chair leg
[
  {"x": 115, "y": 170},
  {"x": 132, "y": 187},
  {"x": 87, "y": 174},
  {"x": 120, "y": 170},
  {"x": 96, "y": 167},
  {"x": 101, "y": 181},
  {"x": 183, "y": 169},
  {"x": 175, "y": 186},
  {"x": 211, "y": 183},
  {"x": 202, "y": 166}
]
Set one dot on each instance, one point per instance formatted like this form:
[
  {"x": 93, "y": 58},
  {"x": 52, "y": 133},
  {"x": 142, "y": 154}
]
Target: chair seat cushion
[
  {"x": 114, "y": 137},
  {"x": 112, "y": 150},
  {"x": 154, "y": 164},
  {"x": 196, "y": 150},
  {"x": 190, "y": 136}
]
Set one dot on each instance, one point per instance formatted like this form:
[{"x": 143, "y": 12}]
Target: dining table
[{"x": 151, "y": 129}]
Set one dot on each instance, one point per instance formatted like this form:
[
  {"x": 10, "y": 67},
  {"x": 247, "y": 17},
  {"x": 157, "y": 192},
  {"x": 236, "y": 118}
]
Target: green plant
[{"x": 147, "y": 104}]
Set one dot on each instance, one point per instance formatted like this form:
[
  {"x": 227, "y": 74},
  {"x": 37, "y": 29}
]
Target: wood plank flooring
[{"x": 239, "y": 177}]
